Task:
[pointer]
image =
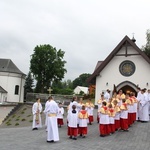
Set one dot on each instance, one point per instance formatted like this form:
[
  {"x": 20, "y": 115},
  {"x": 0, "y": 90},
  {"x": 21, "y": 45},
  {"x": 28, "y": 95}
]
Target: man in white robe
[
  {"x": 46, "y": 115},
  {"x": 36, "y": 111},
  {"x": 138, "y": 104},
  {"x": 144, "y": 107},
  {"x": 107, "y": 95},
  {"x": 52, "y": 126},
  {"x": 149, "y": 100}
]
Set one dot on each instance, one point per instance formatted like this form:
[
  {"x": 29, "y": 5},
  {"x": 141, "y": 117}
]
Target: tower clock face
[{"x": 127, "y": 68}]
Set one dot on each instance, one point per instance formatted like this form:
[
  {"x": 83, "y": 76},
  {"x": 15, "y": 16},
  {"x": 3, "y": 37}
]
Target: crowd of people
[{"x": 115, "y": 113}]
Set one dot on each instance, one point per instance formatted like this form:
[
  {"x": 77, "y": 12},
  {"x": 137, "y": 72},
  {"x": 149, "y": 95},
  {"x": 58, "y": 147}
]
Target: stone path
[{"x": 23, "y": 138}]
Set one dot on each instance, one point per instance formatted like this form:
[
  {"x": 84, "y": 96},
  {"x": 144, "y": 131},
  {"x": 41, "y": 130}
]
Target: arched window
[{"x": 16, "y": 89}]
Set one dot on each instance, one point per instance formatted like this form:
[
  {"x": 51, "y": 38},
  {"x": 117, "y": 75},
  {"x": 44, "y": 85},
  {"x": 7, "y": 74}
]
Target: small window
[{"x": 16, "y": 89}]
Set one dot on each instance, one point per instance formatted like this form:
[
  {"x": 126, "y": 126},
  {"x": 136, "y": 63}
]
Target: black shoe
[
  {"x": 102, "y": 135},
  {"x": 35, "y": 129},
  {"x": 83, "y": 136},
  {"x": 70, "y": 137},
  {"x": 50, "y": 141},
  {"x": 80, "y": 134},
  {"x": 74, "y": 138}
]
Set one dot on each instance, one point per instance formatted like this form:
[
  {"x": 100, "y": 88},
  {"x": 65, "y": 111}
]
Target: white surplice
[
  {"x": 36, "y": 108},
  {"x": 144, "y": 108},
  {"x": 52, "y": 126}
]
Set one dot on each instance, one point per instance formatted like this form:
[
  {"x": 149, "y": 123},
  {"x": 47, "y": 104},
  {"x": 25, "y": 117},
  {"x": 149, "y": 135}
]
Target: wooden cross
[{"x": 49, "y": 90}]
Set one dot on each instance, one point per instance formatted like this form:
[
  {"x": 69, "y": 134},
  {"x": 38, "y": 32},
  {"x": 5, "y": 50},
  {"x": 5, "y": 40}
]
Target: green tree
[
  {"x": 64, "y": 87},
  {"x": 29, "y": 84},
  {"x": 81, "y": 80},
  {"x": 146, "y": 48},
  {"x": 47, "y": 65}
]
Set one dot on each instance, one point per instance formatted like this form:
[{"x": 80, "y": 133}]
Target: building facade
[
  {"x": 126, "y": 68},
  {"x": 12, "y": 82}
]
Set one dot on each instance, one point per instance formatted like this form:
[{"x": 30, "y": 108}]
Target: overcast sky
[{"x": 87, "y": 30}]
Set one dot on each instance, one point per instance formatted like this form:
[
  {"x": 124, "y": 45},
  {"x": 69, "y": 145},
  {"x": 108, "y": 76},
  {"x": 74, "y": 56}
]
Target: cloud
[{"x": 86, "y": 30}]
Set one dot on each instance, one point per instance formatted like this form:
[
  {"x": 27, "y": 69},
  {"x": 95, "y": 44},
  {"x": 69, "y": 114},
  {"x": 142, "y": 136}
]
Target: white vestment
[
  {"x": 52, "y": 126},
  {"x": 107, "y": 96},
  {"x": 36, "y": 110},
  {"x": 144, "y": 108},
  {"x": 72, "y": 119},
  {"x": 104, "y": 118},
  {"x": 60, "y": 113},
  {"x": 46, "y": 116}
]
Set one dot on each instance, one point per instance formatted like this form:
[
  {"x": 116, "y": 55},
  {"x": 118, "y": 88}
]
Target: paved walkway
[{"x": 138, "y": 138}]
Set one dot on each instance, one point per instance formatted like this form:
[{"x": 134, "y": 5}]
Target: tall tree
[
  {"x": 146, "y": 48},
  {"x": 29, "y": 83},
  {"x": 81, "y": 80},
  {"x": 47, "y": 65}
]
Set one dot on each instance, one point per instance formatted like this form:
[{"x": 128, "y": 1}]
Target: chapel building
[{"x": 125, "y": 68}]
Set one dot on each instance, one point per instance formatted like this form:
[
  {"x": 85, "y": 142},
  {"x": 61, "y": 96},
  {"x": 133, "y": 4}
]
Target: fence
[{"x": 31, "y": 97}]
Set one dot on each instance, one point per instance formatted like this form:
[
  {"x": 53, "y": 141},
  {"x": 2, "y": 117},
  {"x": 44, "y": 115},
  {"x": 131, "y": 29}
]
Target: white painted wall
[{"x": 8, "y": 81}]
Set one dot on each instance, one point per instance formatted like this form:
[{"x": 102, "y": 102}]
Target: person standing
[
  {"x": 83, "y": 120},
  {"x": 72, "y": 123},
  {"x": 90, "y": 108},
  {"x": 99, "y": 104},
  {"x": 111, "y": 113},
  {"x": 52, "y": 126},
  {"x": 124, "y": 116},
  {"x": 104, "y": 128},
  {"x": 46, "y": 116},
  {"x": 144, "y": 107},
  {"x": 36, "y": 111},
  {"x": 120, "y": 96},
  {"x": 149, "y": 100},
  {"x": 107, "y": 95},
  {"x": 60, "y": 115},
  {"x": 117, "y": 115}
]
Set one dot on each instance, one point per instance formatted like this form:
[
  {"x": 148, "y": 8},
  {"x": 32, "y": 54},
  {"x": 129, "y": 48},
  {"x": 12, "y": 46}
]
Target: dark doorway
[{"x": 127, "y": 89}]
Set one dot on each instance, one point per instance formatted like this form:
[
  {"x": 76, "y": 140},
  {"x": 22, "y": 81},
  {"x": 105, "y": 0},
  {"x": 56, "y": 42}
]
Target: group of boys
[
  {"x": 116, "y": 113},
  {"x": 78, "y": 118},
  {"x": 121, "y": 111}
]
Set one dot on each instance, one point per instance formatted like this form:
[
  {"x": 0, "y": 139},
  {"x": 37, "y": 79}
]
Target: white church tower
[{"x": 12, "y": 82}]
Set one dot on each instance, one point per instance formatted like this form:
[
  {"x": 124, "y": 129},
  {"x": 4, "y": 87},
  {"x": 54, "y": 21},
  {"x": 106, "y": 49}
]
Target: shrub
[
  {"x": 17, "y": 124},
  {"x": 23, "y": 119},
  {"x": 14, "y": 116},
  {"x": 17, "y": 119}
]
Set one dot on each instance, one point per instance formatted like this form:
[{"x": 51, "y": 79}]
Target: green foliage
[
  {"x": 81, "y": 93},
  {"x": 66, "y": 91},
  {"x": 22, "y": 112},
  {"x": 28, "y": 87},
  {"x": 47, "y": 65},
  {"x": 17, "y": 119},
  {"x": 23, "y": 119},
  {"x": 81, "y": 80},
  {"x": 31, "y": 121},
  {"x": 8, "y": 123},
  {"x": 17, "y": 124},
  {"x": 13, "y": 116},
  {"x": 29, "y": 116},
  {"x": 146, "y": 48}
]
